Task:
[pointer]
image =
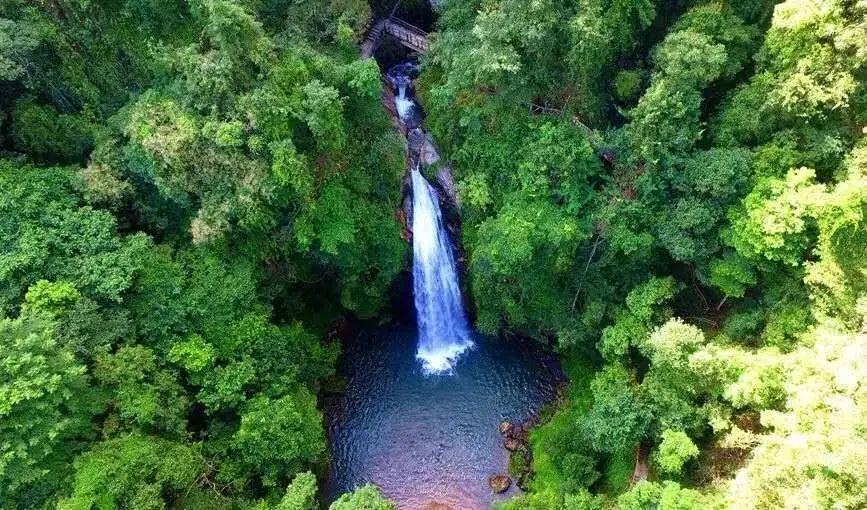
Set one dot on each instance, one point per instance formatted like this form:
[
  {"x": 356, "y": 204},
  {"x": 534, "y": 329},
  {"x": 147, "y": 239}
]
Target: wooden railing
[
  {"x": 538, "y": 109},
  {"x": 371, "y": 42},
  {"x": 408, "y": 35}
]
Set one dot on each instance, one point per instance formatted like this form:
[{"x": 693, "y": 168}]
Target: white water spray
[
  {"x": 403, "y": 104},
  {"x": 443, "y": 334}
]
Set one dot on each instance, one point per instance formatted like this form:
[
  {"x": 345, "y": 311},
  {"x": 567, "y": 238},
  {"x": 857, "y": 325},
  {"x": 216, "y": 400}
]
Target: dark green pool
[{"x": 430, "y": 439}]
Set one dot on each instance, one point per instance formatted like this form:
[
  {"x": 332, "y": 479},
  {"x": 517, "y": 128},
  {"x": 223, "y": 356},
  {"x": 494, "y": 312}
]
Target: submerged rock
[
  {"x": 499, "y": 483},
  {"x": 437, "y": 506}
]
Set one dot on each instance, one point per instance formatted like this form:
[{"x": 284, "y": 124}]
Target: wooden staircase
[{"x": 371, "y": 42}]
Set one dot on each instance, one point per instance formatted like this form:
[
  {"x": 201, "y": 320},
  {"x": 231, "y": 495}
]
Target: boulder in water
[
  {"x": 518, "y": 431},
  {"x": 505, "y": 427},
  {"x": 499, "y": 483}
]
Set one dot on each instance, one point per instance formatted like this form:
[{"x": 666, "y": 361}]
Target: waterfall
[
  {"x": 402, "y": 103},
  {"x": 401, "y": 76},
  {"x": 443, "y": 333}
]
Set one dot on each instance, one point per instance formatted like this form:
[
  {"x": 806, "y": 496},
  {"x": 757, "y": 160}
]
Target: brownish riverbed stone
[{"x": 499, "y": 483}]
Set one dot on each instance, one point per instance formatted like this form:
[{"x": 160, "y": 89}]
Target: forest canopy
[
  {"x": 669, "y": 194},
  {"x": 685, "y": 223},
  {"x": 191, "y": 193}
]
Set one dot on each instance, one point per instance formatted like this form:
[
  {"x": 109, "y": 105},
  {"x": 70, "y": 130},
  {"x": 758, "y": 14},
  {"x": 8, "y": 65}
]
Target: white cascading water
[
  {"x": 403, "y": 104},
  {"x": 443, "y": 333}
]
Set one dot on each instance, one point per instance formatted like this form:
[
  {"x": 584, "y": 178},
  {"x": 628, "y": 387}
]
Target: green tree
[
  {"x": 366, "y": 497},
  {"x": 665, "y": 123},
  {"x": 323, "y": 113},
  {"x": 135, "y": 472},
  {"x": 511, "y": 248},
  {"x": 618, "y": 419},
  {"x": 49, "y": 234},
  {"x": 18, "y": 41},
  {"x": 674, "y": 451},
  {"x": 46, "y": 404},
  {"x": 644, "y": 307},
  {"x": 792, "y": 464},
  {"x": 277, "y": 437},
  {"x": 50, "y": 298},
  {"x": 301, "y": 493},
  {"x": 235, "y": 48},
  {"x": 665, "y": 496},
  {"x": 49, "y": 135},
  {"x": 599, "y": 33},
  {"x": 144, "y": 395},
  {"x": 774, "y": 221},
  {"x": 733, "y": 274},
  {"x": 671, "y": 389}
]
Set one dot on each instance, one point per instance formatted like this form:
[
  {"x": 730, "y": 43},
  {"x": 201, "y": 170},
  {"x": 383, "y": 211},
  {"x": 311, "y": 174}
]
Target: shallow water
[{"x": 430, "y": 439}]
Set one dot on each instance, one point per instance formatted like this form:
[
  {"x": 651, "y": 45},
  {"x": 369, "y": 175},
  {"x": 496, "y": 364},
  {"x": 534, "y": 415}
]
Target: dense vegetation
[
  {"x": 190, "y": 194},
  {"x": 689, "y": 233},
  {"x": 193, "y": 192}
]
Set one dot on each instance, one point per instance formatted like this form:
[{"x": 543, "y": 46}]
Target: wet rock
[
  {"x": 513, "y": 444},
  {"x": 447, "y": 183},
  {"x": 499, "y": 483},
  {"x": 428, "y": 152},
  {"x": 416, "y": 141},
  {"x": 505, "y": 427},
  {"x": 516, "y": 431}
]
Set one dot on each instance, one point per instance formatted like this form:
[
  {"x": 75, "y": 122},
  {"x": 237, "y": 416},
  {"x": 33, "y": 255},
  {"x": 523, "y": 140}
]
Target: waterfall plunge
[
  {"x": 443, "y": 334},
  {"x": 403, "y": 104}
]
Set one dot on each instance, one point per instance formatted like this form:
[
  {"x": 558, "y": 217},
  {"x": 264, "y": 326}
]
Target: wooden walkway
[{"x": 408, "y": 35}]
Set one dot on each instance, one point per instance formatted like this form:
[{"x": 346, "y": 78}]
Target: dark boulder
[{"x": 499, "y": 483}]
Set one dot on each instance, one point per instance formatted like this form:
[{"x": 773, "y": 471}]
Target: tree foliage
[
  {"x": 46, "y": 403},
  {"x": 366, "y": 497},
  {"x": 191, "y": 194},
  {"x": 194, "y": 196},
  {"x": 135, "y": 472},
  {"x": 722, "y": 238}
]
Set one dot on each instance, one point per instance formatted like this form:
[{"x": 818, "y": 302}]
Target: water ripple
[{"x": 426, "y": 439}]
